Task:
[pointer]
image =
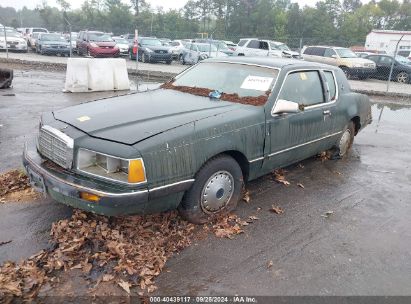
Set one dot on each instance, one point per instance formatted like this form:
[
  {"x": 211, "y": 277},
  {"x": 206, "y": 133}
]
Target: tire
[
  {"x": 216, "y": 191},
  {"x": 402, "y": 77},
  {"x": 241, "y": 54},
  {"x": 344, "y": 143},
  {"x": 169, "y": 61},
  {"x": 143, "y": 58}
]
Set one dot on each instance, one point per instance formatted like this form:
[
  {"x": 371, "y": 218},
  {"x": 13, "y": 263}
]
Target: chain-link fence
[{"x": 164, "y": 54}]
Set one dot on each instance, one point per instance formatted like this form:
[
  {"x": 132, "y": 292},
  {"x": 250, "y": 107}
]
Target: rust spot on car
[{"x": 248, "y": 100}]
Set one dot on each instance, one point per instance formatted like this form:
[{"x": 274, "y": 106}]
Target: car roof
[{"x": 271, "y": 62}]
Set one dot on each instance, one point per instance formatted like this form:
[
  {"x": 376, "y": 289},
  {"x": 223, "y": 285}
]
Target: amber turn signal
[
  {"x": 136, "y": 173},
  {"x": 89, "y": 197}
]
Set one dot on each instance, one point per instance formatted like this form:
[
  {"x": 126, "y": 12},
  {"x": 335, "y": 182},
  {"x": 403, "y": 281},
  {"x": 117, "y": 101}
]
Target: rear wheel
[
  {"x": 216, "y": 190},
  {"x": 402, "y": 77},
  {"x": 143, "y": 58},
  {"x": 345, "y": 142},
  {"x": 168, "y": 62}
]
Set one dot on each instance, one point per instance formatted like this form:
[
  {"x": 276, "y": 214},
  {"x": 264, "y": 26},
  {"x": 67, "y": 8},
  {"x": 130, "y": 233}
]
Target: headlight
[
  {"x": 130, "y": 171},
  {"x": 92, "y": 44},
  {"x": 355, "y": 65},
  {"x": 46, "y": 45},
  {"x": 149, "y": 50}
]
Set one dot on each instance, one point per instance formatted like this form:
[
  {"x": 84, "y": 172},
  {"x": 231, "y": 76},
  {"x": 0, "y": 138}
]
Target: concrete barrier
[{"x": 91, "y": 75}]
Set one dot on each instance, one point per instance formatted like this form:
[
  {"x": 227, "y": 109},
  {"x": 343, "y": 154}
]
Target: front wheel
[
  {"x": 143, "y": 58},
  {"x": 216, "y": 190},
  {"x": 403, "y": 77}
]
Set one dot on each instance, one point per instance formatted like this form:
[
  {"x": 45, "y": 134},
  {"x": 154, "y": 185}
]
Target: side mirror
[{"x": 285, "y": 106}]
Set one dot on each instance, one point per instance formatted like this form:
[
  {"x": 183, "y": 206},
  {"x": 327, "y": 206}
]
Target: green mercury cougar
[{"x": 192, "y": 143}]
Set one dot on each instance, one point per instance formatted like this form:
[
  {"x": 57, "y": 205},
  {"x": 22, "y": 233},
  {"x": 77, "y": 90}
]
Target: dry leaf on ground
[
  {"x": 246, "y": 196},
  {"x": 125, "y": 285},
  {"x": 276, "y": 209},
  {"x": 327, "y": 214},
  {"x": 300, "y": 185},
  {"x": 270, "y": 264},
  {"x": 280, "y": 178}
]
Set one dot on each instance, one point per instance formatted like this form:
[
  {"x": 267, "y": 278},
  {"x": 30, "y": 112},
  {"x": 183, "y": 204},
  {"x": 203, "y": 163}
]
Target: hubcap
[
  {"x": 345, "y": 142},
  {"x": 402, "y": 77},
  {"x": 217, "y": 192}
]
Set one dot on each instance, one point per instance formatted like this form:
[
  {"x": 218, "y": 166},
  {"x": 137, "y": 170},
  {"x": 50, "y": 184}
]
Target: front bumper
[
  {"x": 66, "y": 187},
  {"x": 104, "y": 52},
  {"x": 363, "y": 72},
  {"x": 51, "y": 50},
  {"x": 159, "y": 57},
  {"x": 14, "y": 47}
]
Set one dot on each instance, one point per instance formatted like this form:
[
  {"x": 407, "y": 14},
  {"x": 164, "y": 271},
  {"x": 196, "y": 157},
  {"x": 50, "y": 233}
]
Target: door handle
[{"x": 327, "y": 112}]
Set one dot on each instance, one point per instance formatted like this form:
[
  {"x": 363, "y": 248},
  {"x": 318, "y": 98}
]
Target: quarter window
[
  {"x": 263, "y": 45},
  {"x": 385, "y": 60},
  {"x": 331, "y": 85},
  {"x": 303, "y": 87}
]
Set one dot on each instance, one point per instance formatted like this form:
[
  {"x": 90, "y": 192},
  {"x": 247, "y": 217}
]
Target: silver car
[{"x": 196, "y": 52}]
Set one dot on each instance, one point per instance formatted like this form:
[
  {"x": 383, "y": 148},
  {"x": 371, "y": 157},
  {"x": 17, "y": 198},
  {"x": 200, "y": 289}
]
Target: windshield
[
  {"x": 39, "y": 30},
  {"x": 206, "y": 47},
  {"x": 120, "y": 40},
  {"x": 235, "y": 82},
  {"x": 346, "y": 53},
  {"x": 51, "y": 37},
  {"x": 152, "y": 42},
  {"x": 403, "y": 60},
  {"x": 99, "y": 37}
]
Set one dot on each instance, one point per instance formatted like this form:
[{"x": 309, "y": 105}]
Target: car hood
[
  {"x": 12, "y": 39},
  {"x": 104, "y": 43},
  {"x": 132, "y": 118},
  {"x": 55, "y": 42},
  {"x": 156, "y": 48}
]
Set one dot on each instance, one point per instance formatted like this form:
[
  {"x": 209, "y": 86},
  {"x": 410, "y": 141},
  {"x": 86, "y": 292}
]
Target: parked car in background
[
  {"x": 72, "y": 40},
  {"x": 52, "y": 44},
  {"x": 122, "y": 44},
  {"x": 196, "y": 52},
  {"x": 96, "y": 44},
  {"x": 177, "y": 47},
  {"x": 177, "y": 147},
  {"x": 401, "y": 68},
  {"x": 220, "y": 45},
  {"x": 30, "y": 31},
  {"x": 286, "y": 52},
  {"x": 165, "y": 41},
  {"x": 256, "y": 48},
  {"x": 231, "y": 45},
  {"x": 32, "y": 40},
  {"x": 13, "y": 40},
  {"x": 152, "y": 50},
  {"x": 405, "y": 53},
  {"x": 347, "y": 60}
]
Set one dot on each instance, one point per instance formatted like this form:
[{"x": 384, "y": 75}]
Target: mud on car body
[{"x": 192, "y": 143}]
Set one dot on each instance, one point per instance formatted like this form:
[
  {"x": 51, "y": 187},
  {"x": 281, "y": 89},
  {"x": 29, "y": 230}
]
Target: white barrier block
[
  {"x": 90, "y": 75},
  {"x": 77, "y": 75},
  {"x": 100, "y": 73},
  {"x": 121, "y": 81}
]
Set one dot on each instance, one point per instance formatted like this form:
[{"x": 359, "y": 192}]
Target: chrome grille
[{"x": 55, "y": 146}]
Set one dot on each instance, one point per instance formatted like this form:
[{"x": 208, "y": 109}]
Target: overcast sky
[{"x": 166, "y": 4}]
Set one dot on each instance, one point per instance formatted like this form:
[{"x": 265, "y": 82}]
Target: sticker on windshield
[{"x": 257, "y": 83}]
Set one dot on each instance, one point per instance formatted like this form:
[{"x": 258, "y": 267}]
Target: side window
[
  {"x": 254, "y": 44},
  {"x": 309, "y": 51},
  {"x": 303, "y": 87},
  {"x": 318, "y": 51},
  {"x": 331, "y": 85},
  {"x": 263, "y": 45},
  {"x": 385, "y": 60},
  {"x": 242, "y": 42},
  {"x": 329, "y": 53}
]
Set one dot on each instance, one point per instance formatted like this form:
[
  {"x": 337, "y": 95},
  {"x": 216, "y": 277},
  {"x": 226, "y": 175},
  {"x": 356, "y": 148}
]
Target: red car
[{"x": 96, "y": 44}]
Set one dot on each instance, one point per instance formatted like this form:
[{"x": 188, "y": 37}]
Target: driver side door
[{"x": 297, "y": 136}]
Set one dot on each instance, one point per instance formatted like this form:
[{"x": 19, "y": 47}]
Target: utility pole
[{"x": 392, "y": 63}]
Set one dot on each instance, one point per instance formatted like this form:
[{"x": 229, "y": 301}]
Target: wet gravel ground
[{"x": 362, "y": 248}]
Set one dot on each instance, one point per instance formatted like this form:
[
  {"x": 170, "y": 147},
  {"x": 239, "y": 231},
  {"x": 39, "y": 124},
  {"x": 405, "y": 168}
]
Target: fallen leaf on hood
[
  {"x": 125, "y": 285},
  {"x": 270, "y": 264},
  {"x": 327, "y": 214},
  {"x": 300, "y": 185},
  {"x": 276, "y": 209},
  {"x": 280, "y": 178}
]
